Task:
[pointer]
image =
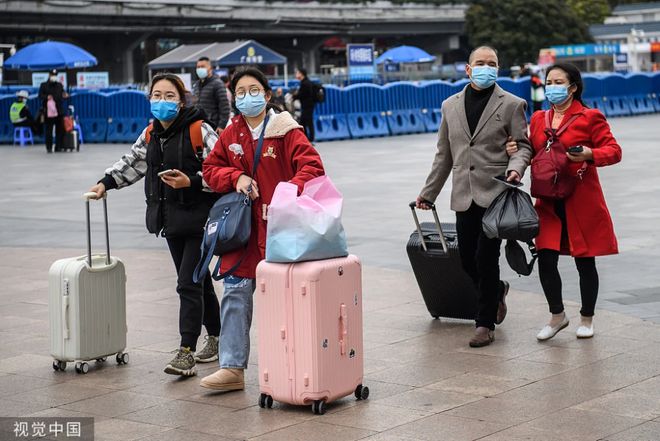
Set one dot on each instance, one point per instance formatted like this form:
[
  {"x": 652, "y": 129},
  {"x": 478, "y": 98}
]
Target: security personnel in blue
[
  {"x": 19, "y": 113},
  {"x": 477, "y": 124},
  {"x": 211, "y": 95},
  {"x": 168, "y": 154}
]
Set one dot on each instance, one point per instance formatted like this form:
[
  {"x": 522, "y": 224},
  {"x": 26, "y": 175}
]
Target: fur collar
[{"x": 280, "y": 124}]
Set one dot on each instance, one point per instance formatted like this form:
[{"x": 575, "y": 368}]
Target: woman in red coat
[
  {"x": 579, "y": 225},
  {"x": 287, "y": 155}
]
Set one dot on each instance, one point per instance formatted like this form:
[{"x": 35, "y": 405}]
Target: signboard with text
[
  {"x": 92, "y": 80},
  {"x": 360, "y": 59},
  {"x": 585, "y": 50}
]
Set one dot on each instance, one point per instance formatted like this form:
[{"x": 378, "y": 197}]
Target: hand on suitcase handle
[
  {"x": 422, "y": 204},
  {"x": 443, "y": 241},
  {"x": 93, "y": 195}
]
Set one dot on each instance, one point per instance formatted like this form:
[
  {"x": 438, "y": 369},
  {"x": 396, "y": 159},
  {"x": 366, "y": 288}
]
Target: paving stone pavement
[{"x": 426, "y": 383}]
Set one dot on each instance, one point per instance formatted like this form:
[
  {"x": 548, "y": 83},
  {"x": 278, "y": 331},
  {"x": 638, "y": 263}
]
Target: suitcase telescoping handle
[
  {"x": 445, "y": 249},
  {"x": 88, "y": 196}
]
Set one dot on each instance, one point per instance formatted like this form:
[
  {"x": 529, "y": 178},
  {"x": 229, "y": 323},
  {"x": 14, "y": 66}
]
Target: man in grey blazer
[{"x": 476, "y": 125}]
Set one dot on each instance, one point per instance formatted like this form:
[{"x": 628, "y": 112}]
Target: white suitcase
[{"x": 87, "y": 306}]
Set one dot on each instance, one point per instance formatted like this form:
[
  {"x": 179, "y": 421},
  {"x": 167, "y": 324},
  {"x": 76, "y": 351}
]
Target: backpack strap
[
  {"x": 196, "y": 138},
  {"x": 147, "y": 135},
  {"x": 560, "y": 130}
]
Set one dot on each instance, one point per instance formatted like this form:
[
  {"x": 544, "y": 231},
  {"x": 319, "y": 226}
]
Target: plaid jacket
[{"x": 133, "y": 165}]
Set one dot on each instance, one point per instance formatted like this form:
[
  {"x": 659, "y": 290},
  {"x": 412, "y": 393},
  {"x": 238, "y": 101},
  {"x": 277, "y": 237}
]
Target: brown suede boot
[
  {"x": 482, "y": 337},
  {"x": 224, "y": 379}
]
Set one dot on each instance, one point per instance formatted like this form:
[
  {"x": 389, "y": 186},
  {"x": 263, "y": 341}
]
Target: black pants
[
  {"x": 58, "y": 122},
  {"x": 551, "y": 279},
  {"x": 307, "y": 121},
  {"x": 32, "y": 124},
  {"x": 480, "y": 257},
  {"x": 199, "y": 303}
]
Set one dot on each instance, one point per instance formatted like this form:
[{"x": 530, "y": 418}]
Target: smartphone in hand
[
  {"x": 168, "y": 172},
  {"x": 575, "y": 149},
  {"x": 502, "y": 180}
]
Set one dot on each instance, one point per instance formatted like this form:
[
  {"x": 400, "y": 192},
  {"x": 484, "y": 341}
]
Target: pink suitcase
[{"x": 309, "y": 318}]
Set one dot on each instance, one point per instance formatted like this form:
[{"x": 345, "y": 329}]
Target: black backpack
[{"x": 319, "y": 93}]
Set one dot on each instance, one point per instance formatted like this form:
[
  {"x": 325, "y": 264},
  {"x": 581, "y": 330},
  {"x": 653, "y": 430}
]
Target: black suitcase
[
  {"x": 70, "y": 141},
  {"x": 447, "y": 290}
]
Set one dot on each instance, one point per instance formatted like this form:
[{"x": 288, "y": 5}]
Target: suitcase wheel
[
  {"x": 265, "y": 401},
  {"x": 59, "y": 365},
  {"x": 102, "y": 360},
  {"x": 361, "y": 392},
  {"x": 82, "y": 368},
  {"x": 122, "y": 358},
  {"x": 318, "y": 407}
]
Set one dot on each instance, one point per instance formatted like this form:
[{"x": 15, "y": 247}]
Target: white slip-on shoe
[
  {"x": 550, "y": 331},
  {"x": 585, "y": 331}
]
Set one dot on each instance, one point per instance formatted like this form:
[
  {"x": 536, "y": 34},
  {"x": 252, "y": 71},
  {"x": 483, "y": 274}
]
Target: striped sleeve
[
  {"x": 132, "y": 166},
  {"x": 210, "y": 138}
]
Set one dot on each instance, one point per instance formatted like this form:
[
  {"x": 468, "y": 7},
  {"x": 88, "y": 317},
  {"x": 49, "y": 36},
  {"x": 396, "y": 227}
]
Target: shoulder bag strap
[{"x": 260, "y": 145}]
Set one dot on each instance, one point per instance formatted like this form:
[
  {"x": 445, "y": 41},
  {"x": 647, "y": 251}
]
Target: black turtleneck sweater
[{"x": 475, "y": 103}]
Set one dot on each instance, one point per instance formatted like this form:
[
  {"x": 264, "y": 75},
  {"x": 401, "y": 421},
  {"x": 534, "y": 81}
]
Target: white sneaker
[
  {"x": 550, "y": 331},
  {"x": 585, "y": 331}
]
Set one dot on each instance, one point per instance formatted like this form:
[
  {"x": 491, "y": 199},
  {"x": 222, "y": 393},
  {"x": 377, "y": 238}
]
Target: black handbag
[{"x": 229, "y": 225}]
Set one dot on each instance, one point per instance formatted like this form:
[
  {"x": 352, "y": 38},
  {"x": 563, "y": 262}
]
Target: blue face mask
[
  {"x": 484, "y": 76},
  {"x": 251, "y": 105},
  {"x": 164, "y": 110},
  {"x": 556, "y": 93},
  {"x": 201, "y": 73}
]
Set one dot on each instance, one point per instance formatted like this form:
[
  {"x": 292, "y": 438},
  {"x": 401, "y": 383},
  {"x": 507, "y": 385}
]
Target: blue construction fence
[{"x": 355, "y": 111}]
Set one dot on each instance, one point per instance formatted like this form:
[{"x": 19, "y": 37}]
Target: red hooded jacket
[
  {"x": 287, "y": 155},
  {"x": 588, "y": 221}
]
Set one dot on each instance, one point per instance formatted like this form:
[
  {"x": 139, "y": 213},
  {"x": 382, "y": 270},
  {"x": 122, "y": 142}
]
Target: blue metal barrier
[
  {"x": 365, "y": 104},
  {"x": 431, "y": 96},
  {"x": 130, "y": 115},
  {"x": 403, "y": 108},
  {"x": 639, "y": 91},
  {"x": 330, "y": 127},
  {"x": 91, "y": 109},
  {"x": 615, "y": 99},
  {"x": 6, "y": 127},
  {"x": 329, "y": 120}
]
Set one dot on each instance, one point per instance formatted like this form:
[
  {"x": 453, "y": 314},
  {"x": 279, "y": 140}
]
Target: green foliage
[
  {"x": 590, "y": 11},
  {"x": 519, "y": 28}
]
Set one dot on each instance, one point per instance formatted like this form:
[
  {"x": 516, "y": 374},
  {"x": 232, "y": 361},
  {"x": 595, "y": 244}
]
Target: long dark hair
[
  {"x": 574, "y": 77},
  {"x": 257, "y": 75}
]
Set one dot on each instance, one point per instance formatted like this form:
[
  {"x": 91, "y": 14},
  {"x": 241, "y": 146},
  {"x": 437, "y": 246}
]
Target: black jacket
[
  {"x": 174, "y": 212},
  {"x": 211, "y": 97},
  {"x": 306, "y": 95},
  {"x": 56, "y": 89}
]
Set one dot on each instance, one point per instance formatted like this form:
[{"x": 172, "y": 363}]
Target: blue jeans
[{"x": 236, "y": 318}]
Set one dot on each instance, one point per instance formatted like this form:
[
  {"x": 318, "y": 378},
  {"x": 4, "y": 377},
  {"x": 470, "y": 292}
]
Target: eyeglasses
[
  {"x": 254, "y": 91},
  {"x": 169, "y": 97}
]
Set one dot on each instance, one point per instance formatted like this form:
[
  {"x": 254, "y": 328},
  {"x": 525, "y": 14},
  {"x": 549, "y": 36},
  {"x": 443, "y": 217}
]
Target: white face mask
[{"x": 53, "y": 78}]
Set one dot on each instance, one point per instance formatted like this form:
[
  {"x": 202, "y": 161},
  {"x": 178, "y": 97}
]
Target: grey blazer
[{"x": 475, "y": 159}]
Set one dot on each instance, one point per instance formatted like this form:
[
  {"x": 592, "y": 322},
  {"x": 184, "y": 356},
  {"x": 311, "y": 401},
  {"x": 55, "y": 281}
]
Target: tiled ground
[{"x": 426, "y": 383}]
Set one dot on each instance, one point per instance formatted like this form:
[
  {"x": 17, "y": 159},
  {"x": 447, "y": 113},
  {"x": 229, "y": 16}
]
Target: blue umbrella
[
  {"x": 50, "y": 55},
  {"x": 405, "y": 54}
]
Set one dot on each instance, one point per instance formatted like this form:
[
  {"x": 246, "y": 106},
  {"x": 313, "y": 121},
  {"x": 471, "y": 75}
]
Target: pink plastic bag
[{"x": 305, "y": 227}]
